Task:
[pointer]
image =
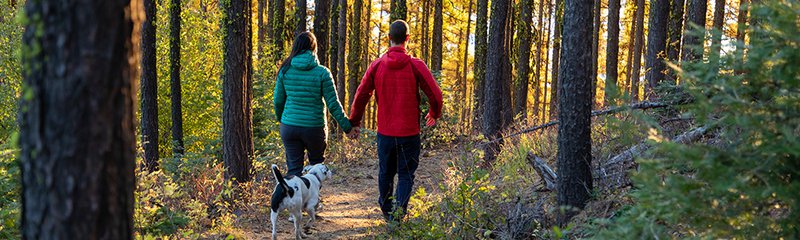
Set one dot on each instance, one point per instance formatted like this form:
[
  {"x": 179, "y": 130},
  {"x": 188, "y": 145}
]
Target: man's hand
[
  {"x": 354, "y": 133},
  {"x": 431, "y": 121}
]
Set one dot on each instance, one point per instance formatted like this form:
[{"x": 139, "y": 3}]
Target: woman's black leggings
[{"x": 298, "y": 140}]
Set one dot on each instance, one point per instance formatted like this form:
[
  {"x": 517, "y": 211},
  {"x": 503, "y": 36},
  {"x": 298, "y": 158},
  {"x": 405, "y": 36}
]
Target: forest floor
[{"x": 350, "y": 205}]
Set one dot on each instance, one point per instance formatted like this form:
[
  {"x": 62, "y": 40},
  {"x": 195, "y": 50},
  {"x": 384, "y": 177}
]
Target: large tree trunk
[
  {"x": 236, "y": 141},
  {"x": 149, "y": 87},
  {"x": 674, "y": 34},
  {"x": 656, "y": 45},
  {"x": 398, "y": 10},
  {"x": 507, "y": 70},
  {"x": 716, "y": 35},
  {"x": 574, "y": 133},
  {"x": 612, "y": 58},
  {"x": 523, "y": 59},
  {"x": 77, "y": 138},
  {"x": 300, "y": 16},
  {"x": 479, "y": 64},
  {"x": 340, "y": 78},
  {"x": 354, "y": 56},
  {"x": 436, "y": 43},
  {"x": 595, "y": 48},
  {"x": 693, "y": 44},
  {"x": 638, "y": 44},
  {"x": 277, "y": 21},
  {"x": 321, "y": 29},
  {"x": 554, "y": 89},
  {"x": 493, "y": 91},
  {"x": 175, "y": 75}
]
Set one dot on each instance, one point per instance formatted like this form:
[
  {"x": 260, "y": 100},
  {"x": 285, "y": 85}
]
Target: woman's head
[{"x": 304, "y": 41}]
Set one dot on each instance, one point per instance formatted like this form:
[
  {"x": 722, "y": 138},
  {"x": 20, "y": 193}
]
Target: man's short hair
[{"x": 398, "y": 32}]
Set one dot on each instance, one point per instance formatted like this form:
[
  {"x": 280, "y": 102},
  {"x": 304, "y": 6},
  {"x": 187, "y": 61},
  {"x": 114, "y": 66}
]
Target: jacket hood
[
  {"x": 396, "y": 57},
  {"x": 305, "y": 61}
]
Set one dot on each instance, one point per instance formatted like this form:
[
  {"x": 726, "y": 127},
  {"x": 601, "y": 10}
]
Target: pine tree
[
  {"x": 523, "y": 59},
  {"x": 175, "y": 75},
  {"x": 612, "y": 59},
  {"x": 149, "y": 87},
  {"x": 656, "y": 45},
  {"x": 237, "y": 150}
]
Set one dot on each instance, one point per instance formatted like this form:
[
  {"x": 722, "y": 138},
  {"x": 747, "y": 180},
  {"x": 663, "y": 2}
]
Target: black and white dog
[{"x": 298, "y": 194}]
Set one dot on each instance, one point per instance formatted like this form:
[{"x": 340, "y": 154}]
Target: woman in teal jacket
[{"x": 300, "y": 89}]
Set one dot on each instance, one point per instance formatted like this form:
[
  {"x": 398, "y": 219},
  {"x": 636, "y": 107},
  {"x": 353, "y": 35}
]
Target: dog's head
[{"x": 321, "y": 171}]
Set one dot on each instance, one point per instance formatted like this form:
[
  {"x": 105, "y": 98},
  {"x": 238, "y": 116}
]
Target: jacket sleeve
[
  {"x": 363, "y": 94},
  {"x": 429, "y": 86},
  {"x": 279, "y": 97},
  {"x": 331, "y": 100}
]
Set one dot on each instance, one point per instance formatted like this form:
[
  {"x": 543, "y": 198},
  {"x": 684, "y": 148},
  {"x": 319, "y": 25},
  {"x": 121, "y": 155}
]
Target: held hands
[
  {"x": 430, "y": 120},
  {"x": 354, "y": 133}
]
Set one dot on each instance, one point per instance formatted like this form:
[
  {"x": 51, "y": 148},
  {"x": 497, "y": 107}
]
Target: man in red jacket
[{"x": 396, "y": 79}]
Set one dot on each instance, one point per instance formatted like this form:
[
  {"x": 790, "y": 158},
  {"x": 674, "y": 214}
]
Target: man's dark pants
[{"x": 398, "y": 156}]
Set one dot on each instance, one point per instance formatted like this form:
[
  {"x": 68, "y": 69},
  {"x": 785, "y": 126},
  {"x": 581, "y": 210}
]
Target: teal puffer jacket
[{"x": 300, "y": 90}]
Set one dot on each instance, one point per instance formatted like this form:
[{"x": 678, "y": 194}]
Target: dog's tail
[{"x": 281, "y": 181}]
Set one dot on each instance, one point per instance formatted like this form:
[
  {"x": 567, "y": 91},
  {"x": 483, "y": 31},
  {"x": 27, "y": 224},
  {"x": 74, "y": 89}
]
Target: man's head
[{"x": 398, "y": 32}]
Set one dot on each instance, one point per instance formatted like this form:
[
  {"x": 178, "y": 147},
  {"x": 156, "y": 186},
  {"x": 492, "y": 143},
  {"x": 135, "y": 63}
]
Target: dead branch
[{"x": 546, "y": 173}]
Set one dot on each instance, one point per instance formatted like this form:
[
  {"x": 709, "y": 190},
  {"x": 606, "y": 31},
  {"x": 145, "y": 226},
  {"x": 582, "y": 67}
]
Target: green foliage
[
  {"x": 10, "y": 75},
  {"x": 743, "y": 183}
]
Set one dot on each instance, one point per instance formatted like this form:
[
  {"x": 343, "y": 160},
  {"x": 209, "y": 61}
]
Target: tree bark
[
  {"x": 741, "y": 21},
  {"x": 398, "y": 10},
  {"x": 77, "y": 137},
  {"x": 277, "y": 21},
  {"x": 523, "y": 59},
  {"x": 554, "y": 89},
  {"x": 270, "y": 18},
  {"x": 537, "y": 86},
  {"x": 479, "y": 64},
  {"x": 354, "y": 57},
  {"x": 612, "y": 58},
  {"x": 149, "y": 87},
  {"x": 656, "y": 45},
  {"x": 692, "y": 43},
  {"x": 321, "y": 29},
  {"x": 300, "y": 16},
  {"x": 493, "y": 91},
  {"x": 175, "y": 76},
  {"x": 340, "y": 79},
  {"x": 574, "y": 133},
  {"x": 236, "y": 141},
  {"x": 716, "y": 35},
  {"x": 674, "y": 33},
  {"x": 465, "y": 38},
  {"x": 262, "y": 31},
  {"x": 436, "y": 43},
  {"x": 595, "y": 48},
  {"x": 637, "y": 51}
]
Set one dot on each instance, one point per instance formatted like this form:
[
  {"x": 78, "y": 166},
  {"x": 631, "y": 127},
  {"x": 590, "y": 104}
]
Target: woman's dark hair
[{"x": 304, "y": 41}]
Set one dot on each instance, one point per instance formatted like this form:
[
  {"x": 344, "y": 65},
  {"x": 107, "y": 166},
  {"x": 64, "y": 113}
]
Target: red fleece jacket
[{"x": 395, "y": 78}]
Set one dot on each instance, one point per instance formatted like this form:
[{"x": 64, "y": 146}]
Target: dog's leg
[
  {"x": 298, "y": 218},
  {"x": 273, "y": 217},
  {"x": 312, "y": 215}
]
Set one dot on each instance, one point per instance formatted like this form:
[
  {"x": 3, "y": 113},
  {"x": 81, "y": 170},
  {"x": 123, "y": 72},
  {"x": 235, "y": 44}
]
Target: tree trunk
[
  {"x": 436, "y": 43},
  {"x": 595, "y": 48},
  {"x": 537, "y": 86},
  {"x": 656, "y": 45},
  {"x": 554, "y": 90},
  {"x": 340, "y": 79},
  {"x": 77, "y": 138},
  {"x": 693, "y": 44},
  {"x": 270, "y": 18},
  {"x": 493, "y": 91},
  {"x": 574, "y": 133},
  {"x": 507, "y": 73},
  {"x": 741, "y": 21},
  {"x": 321, "y": 29},
  {"x": 612, "y": 58},
  {"x": 523, "y": 60},
  {"x": 674, "y": 33},
  {"x": 479, "y": 64},
  {"x": 716, "y": 35},
  {"x": 354, "y": 57},
  {"x": 175, "y": 76},
  {"x": 465, "y": 38},
  {"x": 638, "y": 44},
  {"x": 262, "y": 31},
  {"x": 398, "y": 10},
  {"x": 149, "y": 87},
  {"x": 300, "y": 16},
  {"x": 277, "y": 26},
  {"x": 631, "y": 46},
  {"x": 236, "y": 141}
]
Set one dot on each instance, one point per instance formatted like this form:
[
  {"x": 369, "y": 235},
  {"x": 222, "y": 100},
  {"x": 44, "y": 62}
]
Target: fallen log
[{"x": 546, "y": 174}]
